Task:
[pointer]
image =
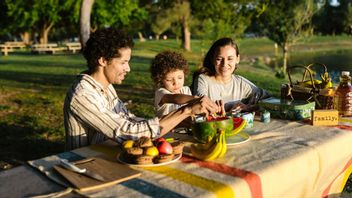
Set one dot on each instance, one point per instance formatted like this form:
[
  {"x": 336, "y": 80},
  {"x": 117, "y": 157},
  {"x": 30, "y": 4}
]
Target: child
[{"x": 168, "y": 70}]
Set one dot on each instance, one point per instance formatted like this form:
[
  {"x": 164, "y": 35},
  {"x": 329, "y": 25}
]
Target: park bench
[
  {"x": 47, "y": 48},
  {"x": 10, "y": 46},
  {"x": 73, "y": 47}
]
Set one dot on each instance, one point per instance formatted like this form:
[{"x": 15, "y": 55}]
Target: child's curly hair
[{"x": 166, "y": 62}]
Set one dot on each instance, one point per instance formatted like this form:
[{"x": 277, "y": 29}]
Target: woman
[{"x": 216, "y": 79}]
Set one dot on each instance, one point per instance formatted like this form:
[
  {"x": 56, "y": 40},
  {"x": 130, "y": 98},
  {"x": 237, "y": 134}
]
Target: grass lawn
[{"x": 33, "y": 87}]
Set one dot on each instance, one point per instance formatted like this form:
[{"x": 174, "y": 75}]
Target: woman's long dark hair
[{"x": 208, "y": 66}]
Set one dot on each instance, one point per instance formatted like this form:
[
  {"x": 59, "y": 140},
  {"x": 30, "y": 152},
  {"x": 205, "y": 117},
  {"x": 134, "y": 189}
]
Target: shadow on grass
[
  {"x": 19, "y": 143},
  {"x": 37, "y": 78}
]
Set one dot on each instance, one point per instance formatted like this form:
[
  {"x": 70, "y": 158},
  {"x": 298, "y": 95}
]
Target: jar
[{"x": 343, "y": 95}]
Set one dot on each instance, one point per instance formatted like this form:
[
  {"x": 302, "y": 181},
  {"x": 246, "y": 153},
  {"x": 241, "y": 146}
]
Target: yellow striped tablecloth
[{"x": 282, "y": 159}]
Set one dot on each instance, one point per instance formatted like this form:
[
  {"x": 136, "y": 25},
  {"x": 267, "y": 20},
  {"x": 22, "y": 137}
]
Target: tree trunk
[
  {"x": 157, "y": 36},
  {"x": 141, "y": 37},
  {"x": 285, "y": 57},
  {"x": 84, "y": 22},
  {"x": 186, "y": 36},
  {"x": 26, "y": 38},
  {"x": 44, "y": 33}
]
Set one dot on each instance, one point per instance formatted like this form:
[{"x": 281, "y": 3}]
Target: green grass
[{"x": 33, "y": 87}]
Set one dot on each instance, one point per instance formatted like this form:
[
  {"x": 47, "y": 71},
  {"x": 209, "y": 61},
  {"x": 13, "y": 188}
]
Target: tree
[
  {"x": 116, "y": 13},
  {"x": 165, "y": 13},
  {"x": 220, "y": 18},
  {"x": 161, "y": 23},
  {"x": 181, "y": 10},
  {"x": 36, "y": 15},
  {"x": 285, "y": 21},
  {"x": 84, "y": 22}
]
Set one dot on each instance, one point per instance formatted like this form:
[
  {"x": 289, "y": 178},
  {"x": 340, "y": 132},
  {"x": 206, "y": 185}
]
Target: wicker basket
[{"x": 323, "y": 97}]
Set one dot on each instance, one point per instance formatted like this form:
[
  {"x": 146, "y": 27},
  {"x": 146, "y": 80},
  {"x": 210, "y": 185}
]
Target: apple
[{"x": 164, "y": 147}]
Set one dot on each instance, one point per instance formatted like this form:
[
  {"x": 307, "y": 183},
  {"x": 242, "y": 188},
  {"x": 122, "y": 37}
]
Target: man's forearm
[{"x": 171, "y": 120}]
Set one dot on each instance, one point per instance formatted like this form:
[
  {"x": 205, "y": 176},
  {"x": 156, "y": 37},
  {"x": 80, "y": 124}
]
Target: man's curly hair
[
  {"x": 105, "y": 43},
  {"x": 166, "y": 62}
]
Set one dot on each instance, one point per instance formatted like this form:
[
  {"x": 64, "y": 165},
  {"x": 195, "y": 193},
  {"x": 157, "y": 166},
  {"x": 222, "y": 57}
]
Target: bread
[
  {"x": 144, "y": 142},
  {"x": 164, "y": 158},
  {"x": 177, "y": 147},
  {"x": 134, "y": 151},
  {"x": 144, "y": 159}
]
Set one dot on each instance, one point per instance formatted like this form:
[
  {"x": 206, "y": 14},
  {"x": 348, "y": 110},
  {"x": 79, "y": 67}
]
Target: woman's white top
[{"x": 236, "y": 90}]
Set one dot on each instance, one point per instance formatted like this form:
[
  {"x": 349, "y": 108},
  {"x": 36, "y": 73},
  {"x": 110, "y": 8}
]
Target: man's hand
[{"x": 204, "y": 105}]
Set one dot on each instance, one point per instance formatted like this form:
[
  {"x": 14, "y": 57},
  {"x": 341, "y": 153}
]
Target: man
[{"x": 93, "y": 112}]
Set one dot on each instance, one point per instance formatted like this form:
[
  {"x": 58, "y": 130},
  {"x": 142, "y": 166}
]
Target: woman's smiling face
[{"x": 225, "y": 61}]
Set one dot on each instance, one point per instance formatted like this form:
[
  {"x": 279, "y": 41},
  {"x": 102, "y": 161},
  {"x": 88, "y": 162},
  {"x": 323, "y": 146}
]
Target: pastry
[
  {"x": 134, "y": 151},
  {"x": 144, "y": 142},
  {"x": 144, "y": 159},
  {"x": 177, "y": 147},
  {"x": 164, "y": 158}
]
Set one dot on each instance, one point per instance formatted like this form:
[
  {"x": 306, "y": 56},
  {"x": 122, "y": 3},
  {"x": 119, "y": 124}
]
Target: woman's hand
[{"x": 240, "y": 107}]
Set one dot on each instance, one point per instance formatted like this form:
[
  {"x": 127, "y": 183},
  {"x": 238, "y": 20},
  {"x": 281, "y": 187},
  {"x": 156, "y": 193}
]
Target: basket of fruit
[
  {"x": 204, "y": 130},
  {"x": 309, "y": 89}
]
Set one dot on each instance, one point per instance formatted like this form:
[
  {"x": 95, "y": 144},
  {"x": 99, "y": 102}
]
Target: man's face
[{"x": 117, "y": 68}]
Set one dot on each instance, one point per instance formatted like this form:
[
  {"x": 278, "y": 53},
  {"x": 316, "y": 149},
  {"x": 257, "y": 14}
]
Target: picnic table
[
  {"x": 73, "y": 47},
  {"x": 281, "y": 159},
  {"x": 47, "y": 48},
  {"x": 10, "y": 46}
]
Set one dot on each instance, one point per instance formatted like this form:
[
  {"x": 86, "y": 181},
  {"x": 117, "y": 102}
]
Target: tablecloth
[{"x": 281, "y": 159}]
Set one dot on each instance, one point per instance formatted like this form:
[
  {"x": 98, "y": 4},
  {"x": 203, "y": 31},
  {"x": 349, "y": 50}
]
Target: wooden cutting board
[{"x": 112, "y": 172}]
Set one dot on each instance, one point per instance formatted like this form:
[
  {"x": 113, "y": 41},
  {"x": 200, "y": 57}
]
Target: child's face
[
  {"x": 174, "y": 81},
  {"x": 226, "y": 61}
]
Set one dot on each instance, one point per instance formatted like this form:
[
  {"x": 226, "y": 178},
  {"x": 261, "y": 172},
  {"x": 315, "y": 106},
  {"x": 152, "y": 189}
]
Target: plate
[
  {"x": 239, "y": 138},
  {"x": 176, "y": 158}
]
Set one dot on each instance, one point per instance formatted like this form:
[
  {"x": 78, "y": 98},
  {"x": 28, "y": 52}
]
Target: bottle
[{"x": 343, "y": 95}]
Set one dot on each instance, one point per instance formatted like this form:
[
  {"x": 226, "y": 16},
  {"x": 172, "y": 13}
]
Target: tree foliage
[
  {"x": 219, "y": 18},
  {"x": 116, "y": 13},
  {"x": 36, "y": 15},
  {"x": 334, "y": 19},
  {"x": 285, "y": 21}
]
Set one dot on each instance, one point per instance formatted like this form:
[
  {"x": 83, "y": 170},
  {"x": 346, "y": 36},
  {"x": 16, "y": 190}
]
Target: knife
[{"x": 69, "y": 166}]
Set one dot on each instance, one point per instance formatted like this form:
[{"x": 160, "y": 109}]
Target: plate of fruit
[{"x": 146, "y": 152}]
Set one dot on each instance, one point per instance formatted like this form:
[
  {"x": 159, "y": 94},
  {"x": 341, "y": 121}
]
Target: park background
[{"x": 271, "y": 36}]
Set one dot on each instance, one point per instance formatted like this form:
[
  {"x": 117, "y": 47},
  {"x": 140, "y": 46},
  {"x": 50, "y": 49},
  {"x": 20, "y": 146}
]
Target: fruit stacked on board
[
  {"x": 147, "y": 151},
  {"x": 213, "y": 149}
]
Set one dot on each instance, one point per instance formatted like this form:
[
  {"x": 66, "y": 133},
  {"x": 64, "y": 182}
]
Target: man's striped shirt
[{"x": 93, "y": 115}]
